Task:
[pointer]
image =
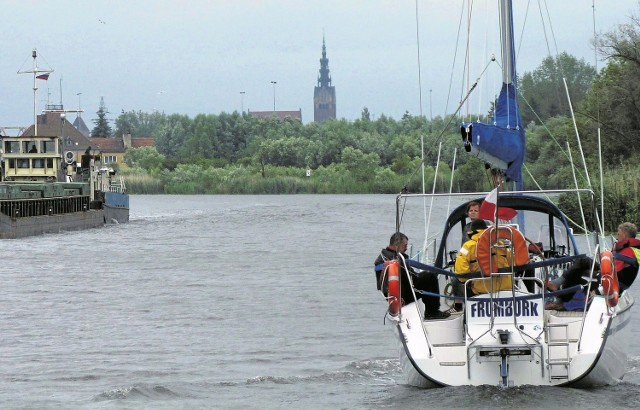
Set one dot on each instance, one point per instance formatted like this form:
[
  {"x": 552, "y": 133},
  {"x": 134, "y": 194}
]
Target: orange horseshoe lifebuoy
[
  {"x": 393, "y": 293},
  {"x": 489, "y": 237},
  {"x": 610, "y": 285}
]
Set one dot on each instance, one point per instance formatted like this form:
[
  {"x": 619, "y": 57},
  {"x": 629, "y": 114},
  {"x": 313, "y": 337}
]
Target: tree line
[{"x": 384, "y": 155}]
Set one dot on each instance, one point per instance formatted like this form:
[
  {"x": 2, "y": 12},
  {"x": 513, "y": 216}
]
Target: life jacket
[
  {"x": 635, "y": 262},
  {"x": 467, "y": 261},
  {"x": 628, "y": 263}
]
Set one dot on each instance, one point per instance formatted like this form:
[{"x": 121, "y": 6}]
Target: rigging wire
[
  {"x": 553, "y": 35},
  {"x": 575, "y": 180},
  {"x": 453, "y": 169},
  {"x": 549, "y": 133},
  {"x": 595, "y": 62},
  {"x": 546, "y": 195},
  {"x": 473, "y": 87},
  {"x": 544, "y": 9},
  {"x": 468, "y": 6},
  {"x": 584, "y": 162},
  {"x": 453, "y": 116},
  {"x": 419, "y": 64},
  {"x": 425, "y": 246},
  {"x": 524, "y": 24},
  {"x": 546, "y": 40},
  {"x": 575, "y": 126},
  {"x": 582, "y": 154},
  {"x": 424, "y": 202},
  {"x": 595, "y": 56},
  {"x": 484, "y": 54},
  {"x": 455, "y": 55}
]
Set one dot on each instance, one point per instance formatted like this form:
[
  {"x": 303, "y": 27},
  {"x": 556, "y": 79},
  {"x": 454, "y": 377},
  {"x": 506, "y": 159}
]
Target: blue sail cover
[{"x": 501, "y": 144}]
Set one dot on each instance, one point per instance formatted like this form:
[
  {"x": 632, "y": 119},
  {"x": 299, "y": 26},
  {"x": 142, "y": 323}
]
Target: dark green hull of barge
[{"x": 29, "y": 209}]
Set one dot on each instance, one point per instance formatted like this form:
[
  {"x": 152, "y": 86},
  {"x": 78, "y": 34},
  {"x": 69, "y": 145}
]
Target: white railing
[{"x": 104, "y": 181}]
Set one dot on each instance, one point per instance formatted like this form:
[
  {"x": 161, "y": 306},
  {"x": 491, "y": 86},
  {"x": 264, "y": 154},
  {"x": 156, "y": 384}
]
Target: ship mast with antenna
[{"x": 37, "y": 73}]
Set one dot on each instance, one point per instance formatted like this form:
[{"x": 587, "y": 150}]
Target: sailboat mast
[
  {"x": 34, "y": 54},
  {"x": 506, "y": 32}
]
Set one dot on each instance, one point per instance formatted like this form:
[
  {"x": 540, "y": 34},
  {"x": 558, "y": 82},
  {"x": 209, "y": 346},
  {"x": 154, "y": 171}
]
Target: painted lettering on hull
[{"x": 505, "y": 308}]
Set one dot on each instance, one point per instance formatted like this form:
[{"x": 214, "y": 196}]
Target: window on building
[
  {"x": 11, "y": 147},
  {"x": 49, "y": 146}
]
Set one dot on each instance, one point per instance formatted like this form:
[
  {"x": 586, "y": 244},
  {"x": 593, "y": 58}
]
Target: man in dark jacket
[
  {"x": 574, "y": 275},
  {"x": 425, "y": 281}
]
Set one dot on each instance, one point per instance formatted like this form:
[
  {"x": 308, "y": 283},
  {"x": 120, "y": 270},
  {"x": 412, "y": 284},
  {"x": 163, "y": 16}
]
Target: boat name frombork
[{"x": 504, "y": 308}]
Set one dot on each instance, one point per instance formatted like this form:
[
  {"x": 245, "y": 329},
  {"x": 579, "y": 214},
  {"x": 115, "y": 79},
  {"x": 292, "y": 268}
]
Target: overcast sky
[{"x": 197, "y": 56}]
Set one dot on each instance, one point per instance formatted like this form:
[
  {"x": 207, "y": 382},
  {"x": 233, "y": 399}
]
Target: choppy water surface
[{"x": 224, "y": 302}]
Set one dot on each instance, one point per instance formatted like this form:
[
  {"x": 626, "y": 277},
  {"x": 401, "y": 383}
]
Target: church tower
[{"x": 324, "y": 94}]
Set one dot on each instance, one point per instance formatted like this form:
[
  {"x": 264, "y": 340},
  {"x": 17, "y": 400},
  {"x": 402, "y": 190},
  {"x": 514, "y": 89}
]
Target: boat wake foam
[
  {"x": 157, "y": 392},
  {"x": 385, "y": 371}
]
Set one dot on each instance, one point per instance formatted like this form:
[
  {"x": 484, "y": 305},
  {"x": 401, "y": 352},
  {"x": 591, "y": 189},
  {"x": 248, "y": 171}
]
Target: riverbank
[{"x": 622, "y": 189}]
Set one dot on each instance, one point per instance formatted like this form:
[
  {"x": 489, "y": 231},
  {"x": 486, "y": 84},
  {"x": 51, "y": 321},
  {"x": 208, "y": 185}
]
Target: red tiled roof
[
  {"x": 137, "y": 142},
  {"x": 108, "y": 144}
]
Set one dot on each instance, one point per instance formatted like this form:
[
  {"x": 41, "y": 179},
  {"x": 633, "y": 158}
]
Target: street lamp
[
  {"x": 274, "y": 95},
  {"x": 242, "y": 101}
]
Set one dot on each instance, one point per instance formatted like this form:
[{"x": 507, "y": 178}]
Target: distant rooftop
[
  {"x": 121, "y": 143},
  {"x": 50, "y": 124},
  {"x": 278, "y": 114},
  {"x": 81, "y": 126},
  {"x": 137, "y": 142},
  {"x": 108, "y": 144}
]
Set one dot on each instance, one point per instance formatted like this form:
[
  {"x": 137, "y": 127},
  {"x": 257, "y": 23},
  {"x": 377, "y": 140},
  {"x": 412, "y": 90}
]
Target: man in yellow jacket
[{"x": 466, "y": 262}]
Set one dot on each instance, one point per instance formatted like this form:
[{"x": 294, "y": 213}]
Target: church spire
[
  {"x": 324, "y": 94},
  {"x": 324, "y": 79}
]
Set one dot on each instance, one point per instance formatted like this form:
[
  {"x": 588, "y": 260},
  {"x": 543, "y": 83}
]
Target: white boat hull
[{"x": 548, "y": 348}]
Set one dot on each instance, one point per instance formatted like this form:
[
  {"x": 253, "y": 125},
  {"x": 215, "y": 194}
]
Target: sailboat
[{"x": 510, "y": 336}]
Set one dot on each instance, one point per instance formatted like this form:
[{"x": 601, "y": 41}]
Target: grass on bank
[
  {"x": 194, "y": 179},
  {"x": 622, "y": 186}
]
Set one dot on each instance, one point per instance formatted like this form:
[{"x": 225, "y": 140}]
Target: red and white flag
[
  {"x": 488, "y": 208},
  {"x": 44, "y": 76}
]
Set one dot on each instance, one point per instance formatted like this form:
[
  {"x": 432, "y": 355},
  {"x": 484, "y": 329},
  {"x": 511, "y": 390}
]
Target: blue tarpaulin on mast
[{"x": 501, "y": 143}]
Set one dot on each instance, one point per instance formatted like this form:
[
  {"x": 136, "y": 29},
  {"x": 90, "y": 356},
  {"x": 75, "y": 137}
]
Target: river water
[{"x": 207, "y": 302}]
